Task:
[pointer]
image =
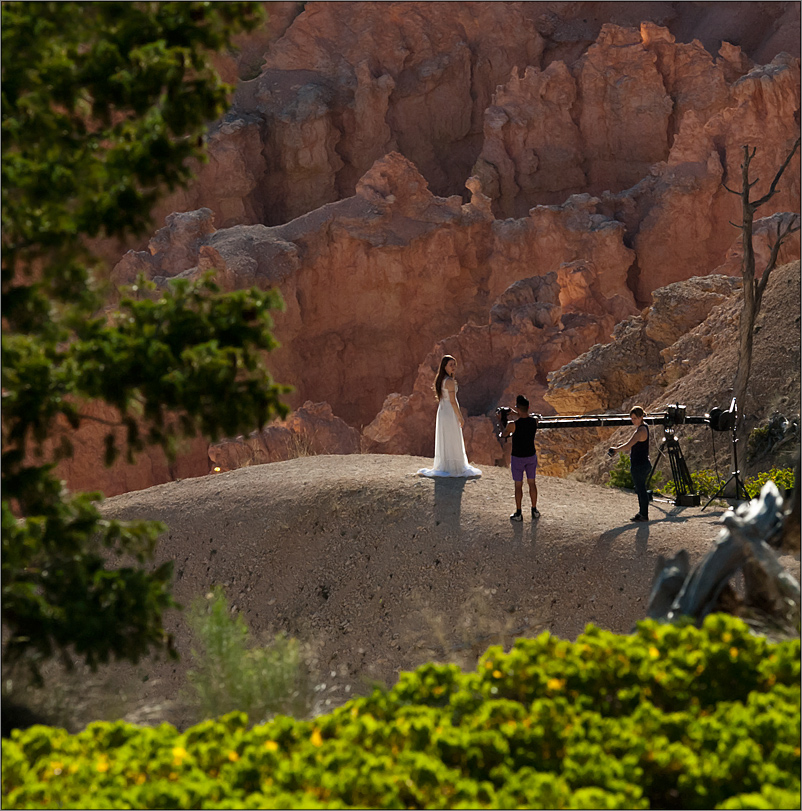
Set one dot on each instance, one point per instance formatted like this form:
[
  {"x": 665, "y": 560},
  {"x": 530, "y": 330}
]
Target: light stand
[{"x": 740, "y": 488}]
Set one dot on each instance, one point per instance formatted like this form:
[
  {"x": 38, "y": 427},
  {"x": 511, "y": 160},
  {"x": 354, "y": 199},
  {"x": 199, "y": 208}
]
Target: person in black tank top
[
  {"x": 639, "y": 463},
  {"x": 524, "y": 456}
]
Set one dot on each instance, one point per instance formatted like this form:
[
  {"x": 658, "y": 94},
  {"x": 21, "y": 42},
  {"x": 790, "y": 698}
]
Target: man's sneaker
[
  {"x": 516, "y": 516},
  {"x": 535, "y": 513},
  {"x": 638, "y": 517}
]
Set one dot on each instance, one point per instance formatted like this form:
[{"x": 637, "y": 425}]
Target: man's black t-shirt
[{"x": 523, "y": 438}]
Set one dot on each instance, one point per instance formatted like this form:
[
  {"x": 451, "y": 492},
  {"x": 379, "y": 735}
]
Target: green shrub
[
  {"x": 620, "y": 475},
  {"x": 784, "y": 479},
  {"x": 672, "y": 716},
  {"x": 231, "y": 673},
  {"x": 708, "y": 483},
  {"x": 705, "y": 483}
]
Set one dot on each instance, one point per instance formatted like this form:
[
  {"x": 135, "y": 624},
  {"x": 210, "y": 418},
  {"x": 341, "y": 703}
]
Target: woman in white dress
[{"x": 449, "y": 447}]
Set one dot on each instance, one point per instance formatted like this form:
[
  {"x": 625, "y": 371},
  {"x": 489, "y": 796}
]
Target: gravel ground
[{"x": 377, "y": 569}]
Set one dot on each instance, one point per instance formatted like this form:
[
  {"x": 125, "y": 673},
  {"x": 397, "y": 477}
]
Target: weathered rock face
[
  {"x": 311, "y": 430},
  {"x": 653, "y": 127},
  {"x": 603, "y": 131},
  {"x": 611, "y": 373},
  {"x": 373, "y": 282},
  {"x": 698, "y": 372},
  {"x": 85, "y": 469},
  {"x": 534, "y": 327},
  {"x": 348, "y": 83}
]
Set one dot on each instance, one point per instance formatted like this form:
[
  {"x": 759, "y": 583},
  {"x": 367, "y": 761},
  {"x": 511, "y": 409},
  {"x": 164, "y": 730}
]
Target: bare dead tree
[{"x": 754, "y": 288}]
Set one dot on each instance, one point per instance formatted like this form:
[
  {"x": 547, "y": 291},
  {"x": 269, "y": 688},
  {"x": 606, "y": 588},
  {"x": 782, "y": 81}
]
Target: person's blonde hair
[{"x": 441, "y": 373}]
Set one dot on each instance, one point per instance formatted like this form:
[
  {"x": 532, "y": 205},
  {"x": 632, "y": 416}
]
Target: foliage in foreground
[
  {"x": 230, "y": 672},
  {"x": 104, "y": 107},
  {"x": 670, "y": 717},
  {"x": 784, "y": 478}
]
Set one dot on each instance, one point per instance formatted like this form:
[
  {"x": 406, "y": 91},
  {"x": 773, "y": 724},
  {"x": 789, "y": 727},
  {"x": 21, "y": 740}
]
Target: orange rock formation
[{"x": 505, "y": 181}]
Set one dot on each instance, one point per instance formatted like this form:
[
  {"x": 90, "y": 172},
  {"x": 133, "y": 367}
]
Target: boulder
[{"x": 311, "y": 430}]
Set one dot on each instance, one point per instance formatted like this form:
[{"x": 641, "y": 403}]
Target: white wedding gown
[{"x": 449, "y": 447}]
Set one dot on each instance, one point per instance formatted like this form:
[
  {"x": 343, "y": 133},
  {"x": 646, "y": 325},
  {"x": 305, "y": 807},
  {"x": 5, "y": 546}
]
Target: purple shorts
[{"x": 523, "y": 464}]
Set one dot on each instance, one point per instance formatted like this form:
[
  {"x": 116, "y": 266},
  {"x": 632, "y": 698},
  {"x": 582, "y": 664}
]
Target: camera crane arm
[{"x": 718, "y": 419}]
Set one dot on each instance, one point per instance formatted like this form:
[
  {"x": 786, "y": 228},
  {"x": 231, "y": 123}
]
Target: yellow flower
[
  {"x": 489, "y": 664},
  {"x": 179, "y": 753},
  {"x": 555, "y": 684},
  {"x": 102, "y": 765},
  {"x": 497, "y": 674},
  {"x": 726, "y": 636},
  {"x": 734, "y": 653},
  {"x": 317, "y": 738},
  {"x": 438, "y": 689},
  {"x": 271, "y": 746},
  {"x": 56, "y": 766},
  {"x": 233, "y": 756},
  {"x": 653, "y": 652},
  {"x": 140, "y": 779}
]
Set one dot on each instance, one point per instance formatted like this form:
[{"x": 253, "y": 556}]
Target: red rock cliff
[{"x": 505, "y": 180}]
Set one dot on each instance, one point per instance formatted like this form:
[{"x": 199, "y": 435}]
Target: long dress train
[{"x": 450, "y": 458}]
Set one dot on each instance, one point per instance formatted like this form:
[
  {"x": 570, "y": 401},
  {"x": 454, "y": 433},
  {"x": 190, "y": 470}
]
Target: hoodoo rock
[
  {"x": 503, "y": 181},
  {"x": 534, "y": 328},
  {"x": 371, "y": 283}
]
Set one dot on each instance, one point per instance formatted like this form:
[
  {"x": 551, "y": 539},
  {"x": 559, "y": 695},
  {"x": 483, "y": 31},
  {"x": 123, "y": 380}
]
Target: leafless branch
[
  {"x": 773, "y": 188},
  {"x": 784, "y": 230}
]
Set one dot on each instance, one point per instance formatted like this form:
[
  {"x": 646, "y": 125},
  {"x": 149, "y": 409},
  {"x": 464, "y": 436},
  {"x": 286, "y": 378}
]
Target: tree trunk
[
  {"x": 746, "y": 328},
  {"x": 752, "y": 289}
]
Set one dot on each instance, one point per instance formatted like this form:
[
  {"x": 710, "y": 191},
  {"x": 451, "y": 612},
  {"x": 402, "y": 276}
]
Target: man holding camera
[{"x": 524, "y": 456}]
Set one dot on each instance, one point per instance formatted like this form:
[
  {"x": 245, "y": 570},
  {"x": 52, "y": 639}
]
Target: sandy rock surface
[{"x": 378, "y": 569}]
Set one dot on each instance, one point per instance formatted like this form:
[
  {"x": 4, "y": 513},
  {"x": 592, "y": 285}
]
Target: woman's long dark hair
[{"x": 441, "y": 373}]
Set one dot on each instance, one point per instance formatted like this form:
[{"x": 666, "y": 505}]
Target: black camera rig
[{"x": 718, "y": 419}]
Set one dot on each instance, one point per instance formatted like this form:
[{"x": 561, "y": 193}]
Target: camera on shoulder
[{"x": 503, "y": 415}]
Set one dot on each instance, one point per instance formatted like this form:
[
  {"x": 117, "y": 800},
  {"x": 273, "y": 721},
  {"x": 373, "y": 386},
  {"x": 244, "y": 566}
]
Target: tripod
[
  {"x": 740, "y": 488},
  {"x": 683, "y": 483}
]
